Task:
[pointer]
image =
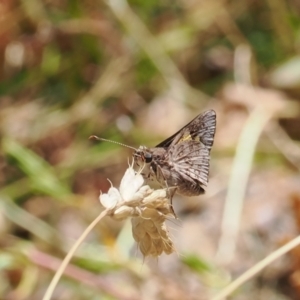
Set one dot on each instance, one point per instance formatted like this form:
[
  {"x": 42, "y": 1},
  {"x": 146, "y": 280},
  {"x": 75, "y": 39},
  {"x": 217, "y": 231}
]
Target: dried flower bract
[{"x": 148, "y": 209}]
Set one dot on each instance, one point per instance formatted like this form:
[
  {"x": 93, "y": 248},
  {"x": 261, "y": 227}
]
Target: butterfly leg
[{"x": 171, "y": 200}]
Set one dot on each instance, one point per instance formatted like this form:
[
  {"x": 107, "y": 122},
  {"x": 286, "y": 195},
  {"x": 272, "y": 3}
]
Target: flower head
[{"x": 148, "y": 209}]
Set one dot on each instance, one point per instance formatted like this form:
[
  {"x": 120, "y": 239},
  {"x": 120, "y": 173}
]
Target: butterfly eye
[{"x": 148, "y": 157}]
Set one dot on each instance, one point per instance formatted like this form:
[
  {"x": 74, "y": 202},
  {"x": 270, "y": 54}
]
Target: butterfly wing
[
  {"x": 191, "y": 161},
  {"x": 190, "y": 153},
  {"x": 201, "y": 129}
]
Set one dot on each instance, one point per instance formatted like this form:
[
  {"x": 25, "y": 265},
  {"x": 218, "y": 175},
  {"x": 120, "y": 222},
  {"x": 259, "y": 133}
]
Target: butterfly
[{"x": 182, "y": 160}]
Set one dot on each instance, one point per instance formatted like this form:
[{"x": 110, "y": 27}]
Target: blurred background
[{"x": 136, "y": 72}]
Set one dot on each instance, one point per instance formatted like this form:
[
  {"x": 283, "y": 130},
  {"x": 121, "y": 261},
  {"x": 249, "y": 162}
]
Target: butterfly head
[{"x": 142, "y": 154}]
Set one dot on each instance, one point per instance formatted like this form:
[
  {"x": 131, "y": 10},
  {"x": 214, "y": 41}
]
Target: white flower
[
  {"x": 130, "y": 191},
  {"x": 148, "y": 209}
]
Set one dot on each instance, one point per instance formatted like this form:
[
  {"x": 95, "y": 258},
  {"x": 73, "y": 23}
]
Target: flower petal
[
  {"x": 127, "y": 179},
  {"x": 130, "y": 184},
  {"x": 110, "y": 199}
]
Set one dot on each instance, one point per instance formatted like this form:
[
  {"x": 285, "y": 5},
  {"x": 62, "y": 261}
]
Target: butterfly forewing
[{"x": 203, "y": 126}]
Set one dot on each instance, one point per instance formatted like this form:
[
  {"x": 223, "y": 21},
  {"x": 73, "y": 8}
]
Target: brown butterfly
[{"x": 182, "y": 160}]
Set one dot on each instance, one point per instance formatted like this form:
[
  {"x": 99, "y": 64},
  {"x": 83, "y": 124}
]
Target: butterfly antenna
[{"x": 94, "y": 137}]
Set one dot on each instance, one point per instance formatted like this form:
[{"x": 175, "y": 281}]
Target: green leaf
[
  {"x": 41, "y": 174},
  {"x": 196, "y": 263}
]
